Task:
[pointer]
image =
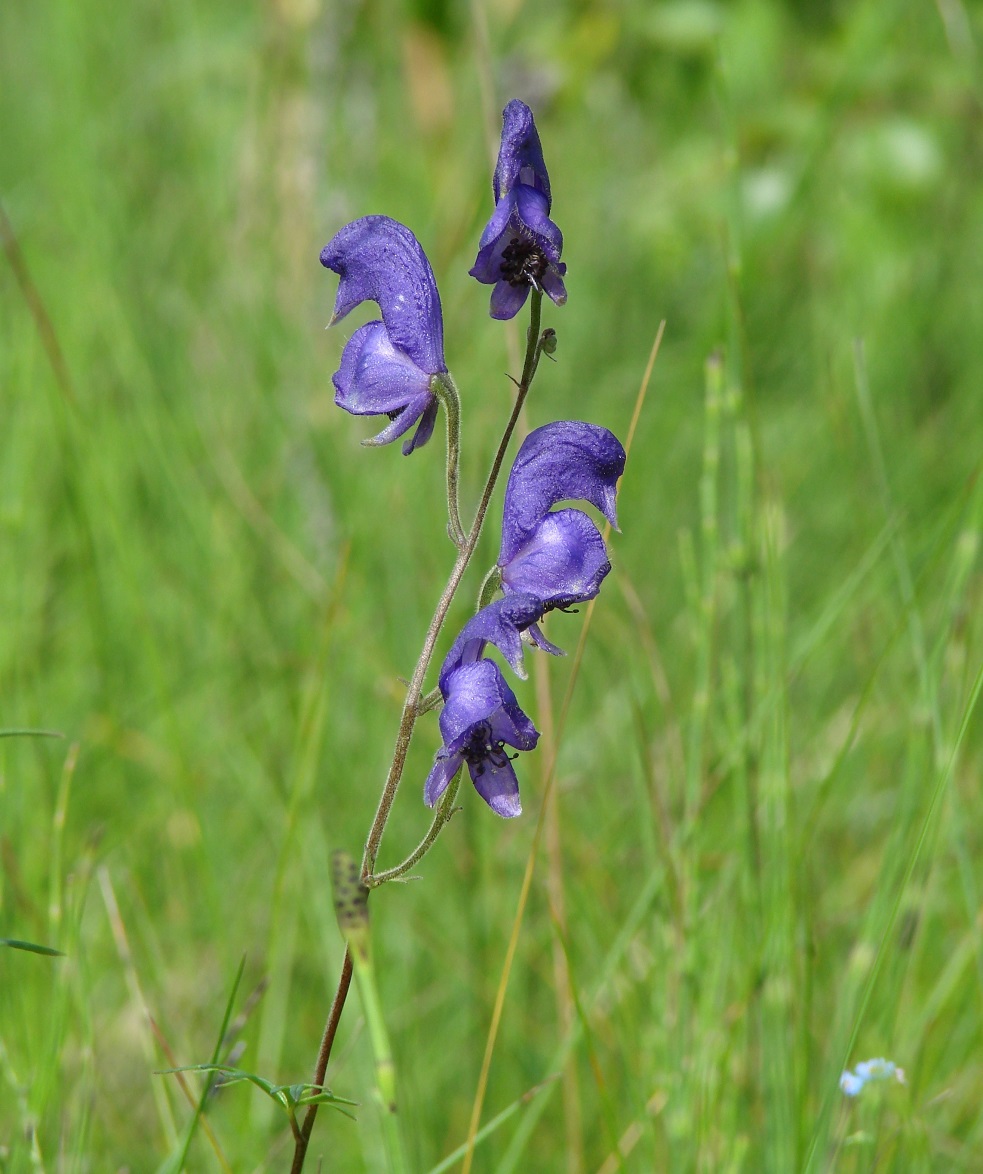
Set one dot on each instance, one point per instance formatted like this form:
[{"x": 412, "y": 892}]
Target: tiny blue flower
[
  {"x": 870, "y": 1072},
  {"x": 388, "y": 367},
  {"x": 520, "y": 246}
]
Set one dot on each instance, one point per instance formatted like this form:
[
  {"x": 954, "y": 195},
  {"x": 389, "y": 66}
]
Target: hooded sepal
[
  {"x": 565, "y": 461},
  {"x": 380, "y": 260}
]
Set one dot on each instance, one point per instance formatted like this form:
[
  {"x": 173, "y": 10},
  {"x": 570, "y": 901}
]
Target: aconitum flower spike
[
  {"x": 481, "y": 716},
  {"x": 558, "y": 556},
  {"x": 520, "y": 246},
  {"x": 388, "y": 367}
]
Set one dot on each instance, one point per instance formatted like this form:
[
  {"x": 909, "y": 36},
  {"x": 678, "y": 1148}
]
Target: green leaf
[
  {"x": 286, "y": 1095},
  {"x": 31, "y": 734},
  {"x": 32, "y": 947}
]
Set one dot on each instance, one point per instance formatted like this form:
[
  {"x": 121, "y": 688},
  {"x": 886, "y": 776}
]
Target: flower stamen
[{"x": 523, "y": 262}]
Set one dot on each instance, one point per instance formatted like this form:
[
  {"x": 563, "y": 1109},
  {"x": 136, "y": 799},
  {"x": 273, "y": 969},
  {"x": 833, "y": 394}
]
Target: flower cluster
[
  {"x": 549, "y": 559},
  {"x": 520, "y": 247},
  {"x": 870, "y": 1072}
]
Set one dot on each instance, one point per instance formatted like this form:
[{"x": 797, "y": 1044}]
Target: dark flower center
[
  {"x": 523, "y": 263},
  {"x": 396, "y": 413},
  {"x": 480, "y": 748}
]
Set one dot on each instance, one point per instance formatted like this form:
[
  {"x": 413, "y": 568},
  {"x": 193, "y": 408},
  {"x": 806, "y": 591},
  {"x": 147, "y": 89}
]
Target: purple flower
[
  {"x": 388, "y": 367},
  {"x": 520, "y": 246},
  {"x": 481, "y": 715},
  {"x": 558, "y": 556},
  {"x": 480, "y": 718},
  {"x": 500, "y": 623}
]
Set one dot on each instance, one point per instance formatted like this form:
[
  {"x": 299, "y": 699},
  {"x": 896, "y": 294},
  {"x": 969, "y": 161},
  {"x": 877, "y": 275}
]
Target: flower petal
[
  {"x": 424, "y": 430},
  {"x": 380, "y": 260},
  {"x": 507, "y": 300},
  {"x": 510, "y": 724},
  {"x": 563, "y": 461},
  {"x": 478, "y": 693},
  {"x": 487, "y": 267},
  {"x": 553, "y": 287},
  {"x": 522, "y": 213},
  {"x": 498, "y": 786},
  {"x": 500, "y": 623},
  {"x": 403, "y": 421},
  {"x": 520, "y": 157},
  {"x": 561, "y": 562},
  {"x": 445, "y": 767},
  {"x": 536, "y": 637},
  {"x": 532, "y": 213},
  {"x": 375, "y": 377}
]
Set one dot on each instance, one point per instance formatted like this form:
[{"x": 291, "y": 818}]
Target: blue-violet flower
[
  {"x": 388, "y": 367},
  {"x": 520, "y": 246},
  {"x": 481, "y": 715},
  {"x": 480, "y": 718},
  {"x": 558, "y": 556},
  {"x": 500, "y": 623}
]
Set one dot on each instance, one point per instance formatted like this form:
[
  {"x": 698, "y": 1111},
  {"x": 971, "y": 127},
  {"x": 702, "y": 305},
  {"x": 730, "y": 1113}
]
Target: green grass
[{"x": 764, "y": 862}]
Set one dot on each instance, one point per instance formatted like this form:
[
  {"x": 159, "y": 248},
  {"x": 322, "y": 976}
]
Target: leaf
[
  {"x": 32, "y": 947},
  {"x": 286, "y": 1095},
  {"x": 31, "y": 734}
]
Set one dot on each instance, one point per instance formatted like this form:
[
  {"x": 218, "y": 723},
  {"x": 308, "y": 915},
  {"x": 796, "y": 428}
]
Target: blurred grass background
[{"x": 764, "y": 861}]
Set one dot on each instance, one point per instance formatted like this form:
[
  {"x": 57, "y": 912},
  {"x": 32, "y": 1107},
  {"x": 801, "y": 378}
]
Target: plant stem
[
  {"x": 321, "y": 1067},
  {"x": 412, "y": 709},
  {"x": 444, "y": 812},
  {"x": 445, "y": 390}
]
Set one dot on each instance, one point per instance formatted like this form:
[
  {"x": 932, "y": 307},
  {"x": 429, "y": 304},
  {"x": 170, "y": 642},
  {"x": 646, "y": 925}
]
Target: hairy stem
[
  {"x": 446, "y": 391},
  {"x": 445, "y": 810}
]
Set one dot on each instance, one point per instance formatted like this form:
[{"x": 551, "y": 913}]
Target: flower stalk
[{"x": 445, "y": 390}]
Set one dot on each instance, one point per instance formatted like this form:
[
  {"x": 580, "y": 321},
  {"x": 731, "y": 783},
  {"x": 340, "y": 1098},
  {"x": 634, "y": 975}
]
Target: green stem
[
  {"x": 352, "y": 909},
  {"x": 431, "y": 701},
  {"x": 445, "y": 810},
  {"x": 446, "y": 391}
]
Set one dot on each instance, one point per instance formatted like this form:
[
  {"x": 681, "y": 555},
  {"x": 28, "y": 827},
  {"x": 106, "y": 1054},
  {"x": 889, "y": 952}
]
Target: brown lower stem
[{"x": 327, "y": 1042}]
